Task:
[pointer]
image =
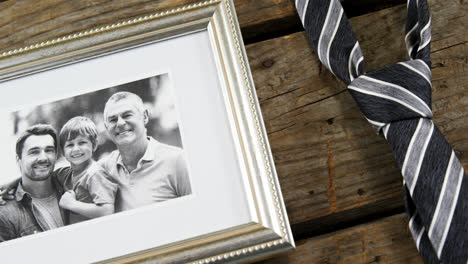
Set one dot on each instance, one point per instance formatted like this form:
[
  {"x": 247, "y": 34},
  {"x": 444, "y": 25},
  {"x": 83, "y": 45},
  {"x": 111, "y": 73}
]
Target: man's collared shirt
[
  {"x": 17, "y": 219},
  {"x": 161, "y": 174}
]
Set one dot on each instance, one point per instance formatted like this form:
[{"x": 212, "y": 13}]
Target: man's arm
[
  {"x": 183, "y": 186},
  {"x": 7, "y": 190},
  {"x": 7, "y": 229}
]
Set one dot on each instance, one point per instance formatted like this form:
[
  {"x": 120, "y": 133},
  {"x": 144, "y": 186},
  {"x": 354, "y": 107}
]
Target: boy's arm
[{"x": 90, "y": 210}]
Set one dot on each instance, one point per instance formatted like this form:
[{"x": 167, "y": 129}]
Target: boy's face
[{"x": 78, "y": 150}]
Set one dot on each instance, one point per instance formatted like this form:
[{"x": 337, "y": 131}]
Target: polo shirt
[{"x": 161, "y": 174}]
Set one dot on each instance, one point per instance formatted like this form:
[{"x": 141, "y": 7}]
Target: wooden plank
[
  {"x": 383, "y": 241},
  {"x": 330, "y": 162},
  {"x": 357, "y": 8},
  {"x": 29, "y": 21},
  {"x": 450, "y": 73}
]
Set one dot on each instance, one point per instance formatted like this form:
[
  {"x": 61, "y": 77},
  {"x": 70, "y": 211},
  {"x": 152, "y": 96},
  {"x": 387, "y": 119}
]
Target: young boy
[{"x": 90, "y": 191}]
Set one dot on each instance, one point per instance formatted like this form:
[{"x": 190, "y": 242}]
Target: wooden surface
[
  {"x": 341, "y": 185},
  {"x": 27, "y": 22},
  {"x": 383, "y": 241}
]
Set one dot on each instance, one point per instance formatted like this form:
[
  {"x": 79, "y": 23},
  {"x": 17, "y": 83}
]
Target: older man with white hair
[{"x": 146, "y": 170}]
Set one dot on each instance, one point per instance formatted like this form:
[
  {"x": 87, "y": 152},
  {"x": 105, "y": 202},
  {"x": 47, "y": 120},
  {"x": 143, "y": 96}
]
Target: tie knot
[{"x": 397, "y": 92}]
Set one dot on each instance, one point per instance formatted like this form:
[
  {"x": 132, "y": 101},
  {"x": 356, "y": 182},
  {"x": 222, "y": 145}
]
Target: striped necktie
[{"x": 396, "y": 100}]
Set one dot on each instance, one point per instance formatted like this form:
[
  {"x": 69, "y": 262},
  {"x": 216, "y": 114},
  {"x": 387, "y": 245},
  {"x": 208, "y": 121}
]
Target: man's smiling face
[
  {"x": 125, "y": 123},
  {"x": 38, "y": 157}
]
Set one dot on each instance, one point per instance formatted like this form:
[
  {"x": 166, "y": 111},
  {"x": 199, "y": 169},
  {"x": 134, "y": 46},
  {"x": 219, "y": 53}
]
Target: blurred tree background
[{"x": 155, "y": 92}]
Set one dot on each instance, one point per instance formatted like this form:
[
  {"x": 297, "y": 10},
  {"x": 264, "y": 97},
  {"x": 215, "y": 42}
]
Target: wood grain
[
  {"x": 27, "y": 21},
  {"x": 382, "y": 241}
]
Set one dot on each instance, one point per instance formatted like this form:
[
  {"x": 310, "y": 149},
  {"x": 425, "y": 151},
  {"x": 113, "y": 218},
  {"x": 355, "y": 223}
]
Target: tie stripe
[
  {"x": 385, "y": 130},
  {"x": 344, "y": 41},
  {"x": 301, "y": 8},
  {"x": 418, "y": 42},
  {"x": 392, "y": 92},
  {"x": 396, "y": 100},
  {"x": 416, "y": 228},
  {"x": 425, "y": 36},
  {"x": 408, "y": 81},
  {"x": 332, "y": 21},
  {"x": 331, "y": 36},
  {"x": 398, "y": 143},
  {"x": 354, "y": 62},
  {"x": 446, "y": 205},
  {"x": 416, "y": 152},
  {"x": 376, "y": 125},
  {"x": 419, "y": 67},
  {"x": 412, "y": 39}
]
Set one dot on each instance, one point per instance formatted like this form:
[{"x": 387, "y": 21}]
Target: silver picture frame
[{"x": 271, "y": 232}]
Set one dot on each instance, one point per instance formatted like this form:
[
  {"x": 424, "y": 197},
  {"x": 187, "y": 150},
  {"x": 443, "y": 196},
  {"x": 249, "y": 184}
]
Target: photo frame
[{"x": 236, "y": 211}]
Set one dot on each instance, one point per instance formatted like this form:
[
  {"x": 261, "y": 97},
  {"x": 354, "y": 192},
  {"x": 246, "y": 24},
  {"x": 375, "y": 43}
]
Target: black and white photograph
[{"x": 92, "y": 155}]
